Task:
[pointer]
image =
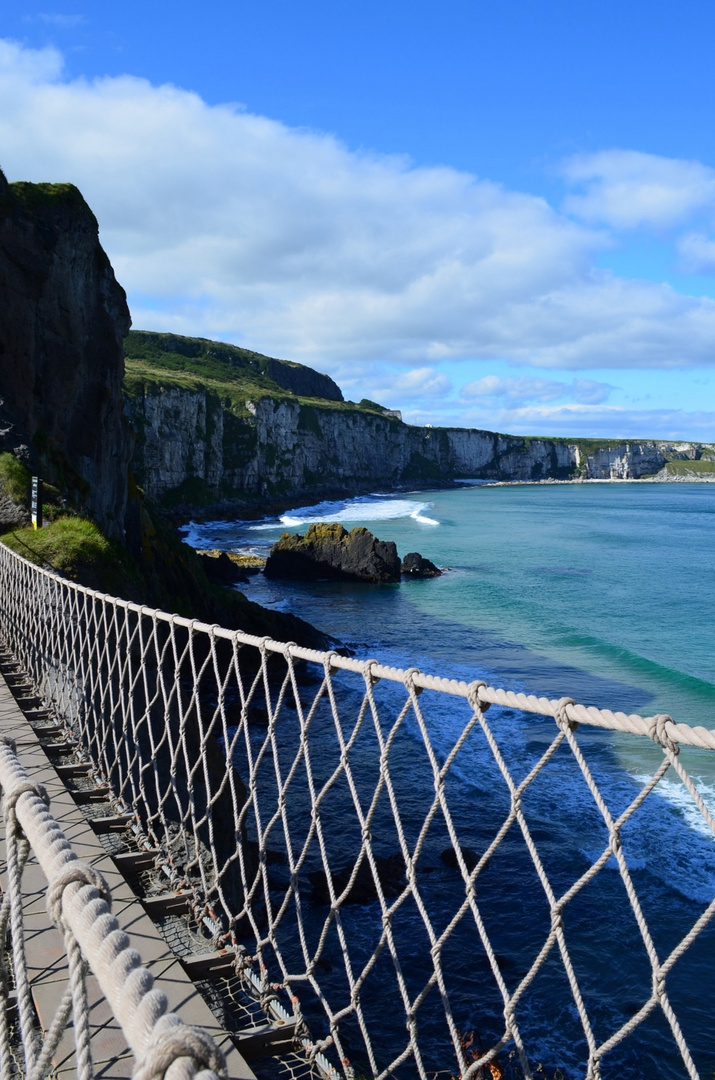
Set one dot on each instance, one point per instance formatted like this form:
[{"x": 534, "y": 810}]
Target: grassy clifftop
[{"x": 154, "y": 361}]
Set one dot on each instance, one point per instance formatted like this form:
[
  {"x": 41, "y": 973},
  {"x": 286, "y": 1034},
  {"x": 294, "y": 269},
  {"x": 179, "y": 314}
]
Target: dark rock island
[
  {"x": 330, "y": 551},
  {"x": 415, "y": 565}
]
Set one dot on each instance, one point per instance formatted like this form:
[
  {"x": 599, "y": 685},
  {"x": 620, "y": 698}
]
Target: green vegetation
[
  {"x": 74, "y": 547},
  {"x": 14, "y": 478},
  {"x": 681, "y": 467},
  {"x": 40, "y": 198},
  {"x": 236, "y": 376},
  {"x": 165, "y": 573},
  {"x": 154, "y": 361},
  {"x": 194, "y": 492},
  {"x": 16, "y": 481},
  {"x": 421, "y": 468},
  {"x": 372, "y": 406},
  {"x": 308, "y": 421}
]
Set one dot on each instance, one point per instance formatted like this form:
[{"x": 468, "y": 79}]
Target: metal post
[{"x": 36, "y": 502}]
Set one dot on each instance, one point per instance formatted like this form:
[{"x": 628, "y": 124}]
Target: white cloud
[
  {"x": 598, "y": 421},
  {"x": 417, "y": 383},
  {"x": 225, "y": 224},
  {"x": 697, "y": 253},
  {"x": 523, "y": 388},
  {"x": 627, "y": 189}
]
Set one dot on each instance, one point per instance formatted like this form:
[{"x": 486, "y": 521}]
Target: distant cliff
[
  {"x": 63, "y": 318},
  {"x": 214, "y": 425}
]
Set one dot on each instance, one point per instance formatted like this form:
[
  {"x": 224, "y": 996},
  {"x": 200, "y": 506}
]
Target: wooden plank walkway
[{"x": 45, "y": 946}]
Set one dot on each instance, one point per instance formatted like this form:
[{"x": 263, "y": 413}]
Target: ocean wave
[
  {"x": 212, "y": 534},
  {"x": 366, "y": 508}
]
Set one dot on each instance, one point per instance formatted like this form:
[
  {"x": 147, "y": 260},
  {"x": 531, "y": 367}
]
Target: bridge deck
[{"x": 47, "y": 962}]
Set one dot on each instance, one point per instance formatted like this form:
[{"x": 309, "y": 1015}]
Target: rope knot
[
  {"x": 658, "y": 984},
  {"x": 473, "y": 696},
  {"x": 286, "y": 650},
  {"x": 410, "y": 681},
  {"x": 318, "y": 1047},
  {"x": 11, "y": 797},
  {"x": 657, "y": 732},
  {"x": 368, "y": 674},
  {"x": 328, "y": 661},
  {"x": 74, "y": 871},
  {"x": 182, "y": 1040},
  {"x": 561, "y": 715},
  {"x": 263, "y": 646}
]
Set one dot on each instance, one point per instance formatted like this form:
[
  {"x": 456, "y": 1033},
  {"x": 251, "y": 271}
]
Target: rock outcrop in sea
[
  {"x": 330, "y": 551},
  {"x": 415, "y": 565}
]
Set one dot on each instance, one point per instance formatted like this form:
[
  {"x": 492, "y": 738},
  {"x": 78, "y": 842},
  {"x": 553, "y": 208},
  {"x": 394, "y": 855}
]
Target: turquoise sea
[{"x": 604, "y": 592}]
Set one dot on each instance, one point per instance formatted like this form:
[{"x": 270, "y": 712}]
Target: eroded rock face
[
  {"x": 330, "y": 551},
  {"x": 63, "y": 317},
  {"x": 290, "y": 449}
]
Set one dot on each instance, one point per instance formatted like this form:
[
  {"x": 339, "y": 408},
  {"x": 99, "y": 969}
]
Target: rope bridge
[
  {"x": 79, "y": 904},
  {"x": 430, "y": 877}
]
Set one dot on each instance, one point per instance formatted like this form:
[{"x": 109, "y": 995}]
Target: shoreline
[{"x": 262, "y": 509}]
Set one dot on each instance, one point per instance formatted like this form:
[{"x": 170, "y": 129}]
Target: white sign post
[{"x": 36, "y": 502}]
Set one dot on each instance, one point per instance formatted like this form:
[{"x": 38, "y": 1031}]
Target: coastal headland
[
  {"x": 136, "y": 430},
  {"x": 224, "y": 431}
]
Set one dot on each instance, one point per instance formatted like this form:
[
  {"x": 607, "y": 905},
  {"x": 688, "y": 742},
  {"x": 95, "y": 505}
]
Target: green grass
[
  {"x": 75, "y": 548},
  {"x": 14, "y": 478},
  {"x": 157, "y": 361},
  {"x": 39, "y": 199},
  {"x": 680, "y": 467}
]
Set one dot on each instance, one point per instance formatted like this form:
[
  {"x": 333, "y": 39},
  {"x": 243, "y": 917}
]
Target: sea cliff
[
  {"x": 64, "y": 317},
  {"x": 218, "y": 429}
]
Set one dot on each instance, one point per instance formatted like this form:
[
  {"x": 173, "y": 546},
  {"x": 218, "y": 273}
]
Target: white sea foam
[
  {"x": 423, "y": 520},
  {"x": 676, "y": 794},
  {"x": 208, "y": 534},
  {"x": 366, "y": 508}
]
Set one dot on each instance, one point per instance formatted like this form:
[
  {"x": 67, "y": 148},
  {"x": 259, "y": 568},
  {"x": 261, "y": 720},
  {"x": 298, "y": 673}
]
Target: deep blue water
[{"x": 604, "y": 593}]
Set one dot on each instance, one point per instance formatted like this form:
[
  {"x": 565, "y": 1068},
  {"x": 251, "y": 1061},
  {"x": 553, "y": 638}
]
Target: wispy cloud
[
  {"x": 231, "y": 225},
  {"x": 697, "y": 253},
  {"x": 524, "y": 388},
  {"x": 627, "y": 189},
  {"x": 605, "y": 421},
  {"x": 57, "y": 20}
]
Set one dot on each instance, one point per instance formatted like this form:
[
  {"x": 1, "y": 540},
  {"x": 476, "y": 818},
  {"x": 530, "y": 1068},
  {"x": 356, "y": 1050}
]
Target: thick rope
[
  {"x": 77, "y": 899},
  {"x": 149, "y": 696},
  {"x": 685, "y": 734}
]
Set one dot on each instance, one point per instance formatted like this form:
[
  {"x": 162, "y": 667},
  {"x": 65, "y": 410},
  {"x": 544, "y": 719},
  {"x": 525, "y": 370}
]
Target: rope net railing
[
  {"x": 79, "y": 905},
  {"x": 433, "y": 877}
]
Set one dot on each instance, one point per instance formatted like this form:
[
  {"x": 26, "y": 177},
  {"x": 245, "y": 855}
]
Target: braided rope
[
  {"x": 165, "y": 707},
  {"x": 78, "y": 902}
]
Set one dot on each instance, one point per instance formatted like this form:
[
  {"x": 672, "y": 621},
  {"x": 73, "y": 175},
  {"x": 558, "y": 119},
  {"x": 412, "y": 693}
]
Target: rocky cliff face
[
  {"x": 192, "y": 449},
  {"x": 62, "y": 320}
]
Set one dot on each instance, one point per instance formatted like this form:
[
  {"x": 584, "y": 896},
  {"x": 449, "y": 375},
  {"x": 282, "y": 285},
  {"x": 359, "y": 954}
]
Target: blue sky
[{"x": 494, "y": 214}]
